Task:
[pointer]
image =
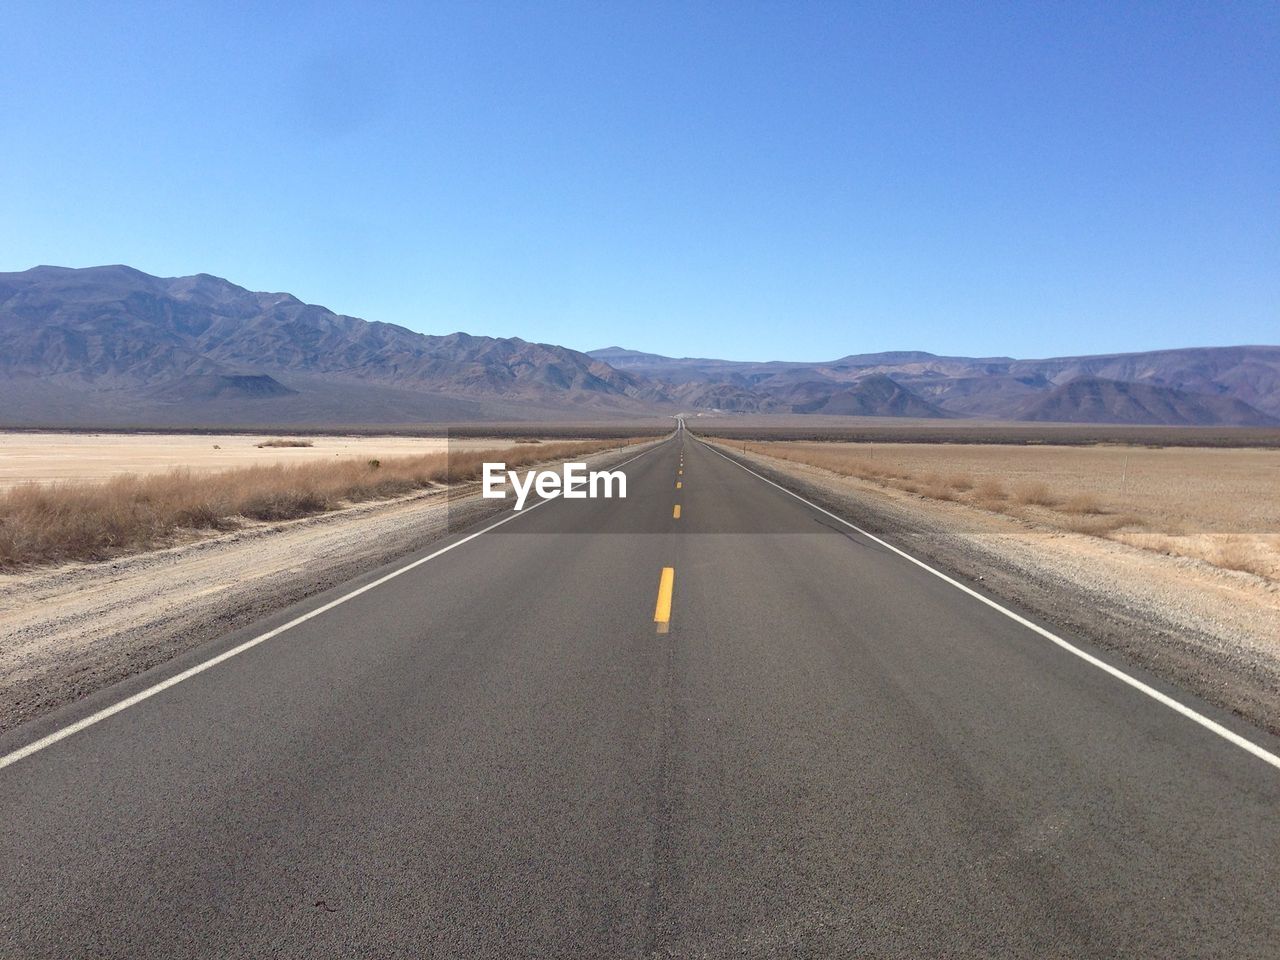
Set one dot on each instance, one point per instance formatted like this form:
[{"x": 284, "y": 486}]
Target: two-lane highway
[{"x": 706, "y": 720}]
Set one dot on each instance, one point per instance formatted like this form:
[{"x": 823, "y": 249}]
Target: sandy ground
[
  {"x": 1212, "y": 631},
  {"x": 69, "y": 631},
  {"x": 1181, "y": 489},
  {"x": 1217, "y": 504},
  {"x": 98, "y": 456}
]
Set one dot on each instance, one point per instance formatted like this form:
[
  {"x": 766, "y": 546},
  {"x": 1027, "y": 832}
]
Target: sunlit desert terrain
[
  {"x": 100, "y": 456},
  {"x": 1216, "y": 504}
]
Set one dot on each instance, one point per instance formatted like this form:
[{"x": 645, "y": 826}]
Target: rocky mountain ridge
[{"x": 81, "y": 345}]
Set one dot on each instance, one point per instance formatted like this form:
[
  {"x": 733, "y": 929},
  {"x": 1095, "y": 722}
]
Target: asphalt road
[{"x": 825, "y": 750}]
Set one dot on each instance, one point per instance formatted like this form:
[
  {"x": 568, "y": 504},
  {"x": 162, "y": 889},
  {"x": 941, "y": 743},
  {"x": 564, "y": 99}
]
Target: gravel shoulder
[
  {"x": 1208, "y": 630},
  {"x": 69, "y": 631}
]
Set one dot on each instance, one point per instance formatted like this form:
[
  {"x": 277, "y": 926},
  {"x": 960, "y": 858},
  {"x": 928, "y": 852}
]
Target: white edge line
[
  {"x": 1212, "y": 725},
  {"x": 94, "y": 718}
]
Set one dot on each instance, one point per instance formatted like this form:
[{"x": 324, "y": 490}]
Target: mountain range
[
  {"x": 1200, "y": 385},
  {"x": 112, "y": 345}
]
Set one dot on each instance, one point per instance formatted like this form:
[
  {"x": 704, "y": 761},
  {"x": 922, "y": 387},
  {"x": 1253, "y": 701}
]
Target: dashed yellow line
[
  {"x": 662, "y": 611},
  {"x": 678, "y": 484},
  {"x": 675, "y": 514}
]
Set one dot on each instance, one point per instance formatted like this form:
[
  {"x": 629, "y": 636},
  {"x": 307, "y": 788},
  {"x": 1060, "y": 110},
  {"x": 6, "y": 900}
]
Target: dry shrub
[
  {"x": 1235, "y": 553},
  {"x": 286, "y": 442},
  {"x": 990, "y": 490},
  {"x": 1098, "y": 526},
  {"x": 1083, "y": 503},
  {"x": 1034, "y": 493},
  {"x": 1252, "y": 553},
  {"x": 937, "y": 488},
  {"x": 861, "y": 469},
  {"x": 49, "y": 523},
  {"x": 870, "y": 471},
  {"x": 960, "y": 481}
]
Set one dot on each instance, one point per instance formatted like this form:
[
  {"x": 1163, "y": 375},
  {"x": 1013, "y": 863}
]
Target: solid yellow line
[
  {"x": 675, "y": 514},
  {"x": 662, "y": 612}
]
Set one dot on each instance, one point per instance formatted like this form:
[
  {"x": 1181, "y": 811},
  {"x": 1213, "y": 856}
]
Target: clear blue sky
[{"x": 752, "y": 181}]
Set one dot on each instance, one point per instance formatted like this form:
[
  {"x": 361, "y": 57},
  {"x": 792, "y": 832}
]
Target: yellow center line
[
  {"x": 662, "y": 611},
  {"x": 678, "y": 484},
  {"x": 675, "y": 514}
]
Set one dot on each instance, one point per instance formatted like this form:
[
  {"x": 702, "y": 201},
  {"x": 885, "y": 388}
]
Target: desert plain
[
  {"x": 1220, "y": 505},
  {"x": 27, "y": 456}
]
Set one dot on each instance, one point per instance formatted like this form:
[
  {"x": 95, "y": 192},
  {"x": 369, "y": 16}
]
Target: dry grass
[
  {"x": 1220, "y": 506},
  {"x": 1034, "y": 493},
  {"x": 47, "y": 523},
  {"x": 51, "y": 457},
  {"x": 1098, "y": 526},
  {"x": 286, "y": 442},
  {"x": 1234, "y": 554},
  {"x": 1083, "y": 503},
  {"x": 937, "y": 488},
  {"x": 1258, "y": 554},
  {"x": 989, "y": 494}
]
